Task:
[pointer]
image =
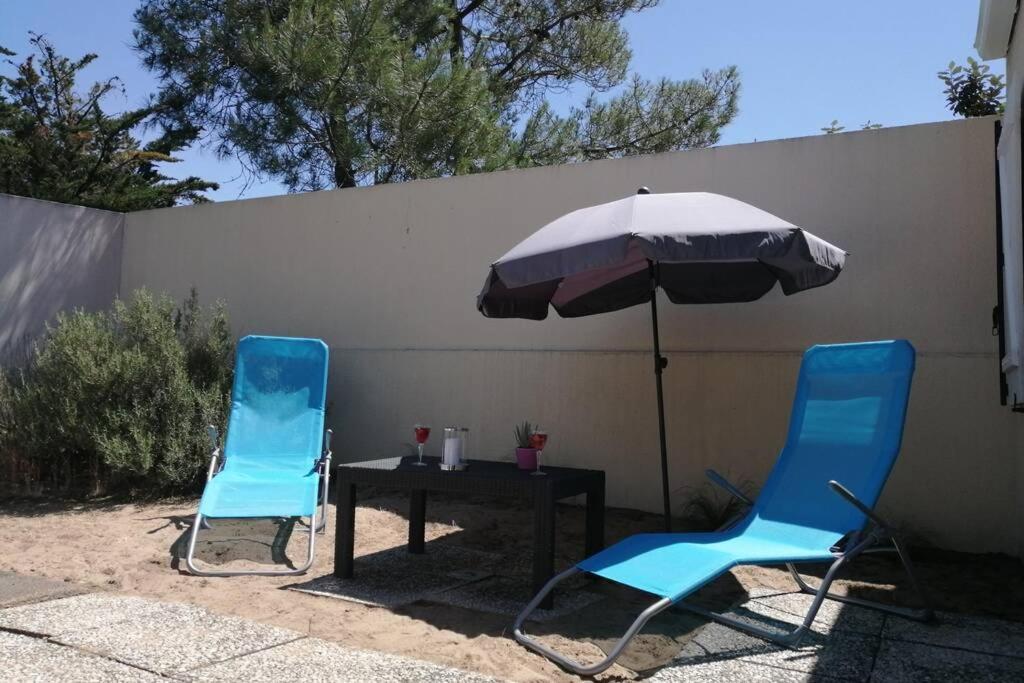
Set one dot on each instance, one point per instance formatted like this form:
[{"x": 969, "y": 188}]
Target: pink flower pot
[{"x": 526, "y": 458}]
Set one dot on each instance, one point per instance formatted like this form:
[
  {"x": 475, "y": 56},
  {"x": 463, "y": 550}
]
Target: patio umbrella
[{"x": 699, "y": 247}]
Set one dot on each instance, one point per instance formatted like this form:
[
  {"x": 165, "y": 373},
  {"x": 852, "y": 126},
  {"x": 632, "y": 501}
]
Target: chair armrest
[
  {"x": 717, "y": 478},
  {"x": 214, "y": 435},
  {"x": 216, "y": 464},
  {"x": 325, "y": 456},
  {"x": 847, "y": 495}
]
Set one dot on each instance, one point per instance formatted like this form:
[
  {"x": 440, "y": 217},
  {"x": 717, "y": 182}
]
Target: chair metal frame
[
  {"x": 316, "y": 522},
  {"x": 855, "y": 543}
]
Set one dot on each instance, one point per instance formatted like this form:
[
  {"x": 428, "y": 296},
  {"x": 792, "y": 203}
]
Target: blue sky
[{"x": 802, "y": 62}]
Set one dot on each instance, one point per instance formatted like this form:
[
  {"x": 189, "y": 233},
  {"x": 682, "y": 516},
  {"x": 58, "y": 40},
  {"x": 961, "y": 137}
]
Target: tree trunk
[
  {"x": 455, "y": 50},
  {"x": 343, "y": 174}
]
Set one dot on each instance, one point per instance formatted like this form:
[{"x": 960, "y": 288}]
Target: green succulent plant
[{"x": 523, "y": 432}]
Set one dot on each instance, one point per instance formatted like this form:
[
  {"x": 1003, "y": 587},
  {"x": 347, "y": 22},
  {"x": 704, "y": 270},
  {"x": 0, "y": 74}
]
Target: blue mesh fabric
[
  {"x": 275, "y": 431},
  {"x": 846, "y": 425}
]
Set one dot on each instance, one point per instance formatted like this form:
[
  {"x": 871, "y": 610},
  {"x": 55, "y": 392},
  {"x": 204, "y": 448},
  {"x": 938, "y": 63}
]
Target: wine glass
[
  {"x": 422, "y": 434},
  {"x": 538, "y": 439}
]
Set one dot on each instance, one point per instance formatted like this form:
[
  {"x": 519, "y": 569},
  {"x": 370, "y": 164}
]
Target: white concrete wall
[
  {"x": 53, "y": 257},
  {"x": 388, "y": 277},
  {"x": 1009, "y": 153}
]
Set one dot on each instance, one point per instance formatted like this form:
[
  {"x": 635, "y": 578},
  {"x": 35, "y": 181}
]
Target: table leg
[
  {"x": 543, "y": 542},
  {"x": 417, "y": 520},
  {"x": 595, "y": 519},
  {"x": 345, "y": 532}
]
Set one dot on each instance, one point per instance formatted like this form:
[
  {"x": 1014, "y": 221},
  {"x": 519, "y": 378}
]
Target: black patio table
[{"x": 485, "y": 477}]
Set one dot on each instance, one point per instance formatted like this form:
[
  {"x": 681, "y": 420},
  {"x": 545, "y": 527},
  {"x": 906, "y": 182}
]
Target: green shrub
[{"x": 117, "y": 401}]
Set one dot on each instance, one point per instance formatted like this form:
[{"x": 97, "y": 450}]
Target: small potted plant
[{"x": 526, "y": 456}]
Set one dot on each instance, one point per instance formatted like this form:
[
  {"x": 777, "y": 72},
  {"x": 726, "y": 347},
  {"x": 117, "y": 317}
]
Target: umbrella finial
[{"x": 643, "y": 190}]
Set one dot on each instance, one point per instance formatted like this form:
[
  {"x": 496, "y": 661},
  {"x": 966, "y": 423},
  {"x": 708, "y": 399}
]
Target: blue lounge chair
[
  {"x": 816, "y": 506},
  {"x": 277, "y": 457}
]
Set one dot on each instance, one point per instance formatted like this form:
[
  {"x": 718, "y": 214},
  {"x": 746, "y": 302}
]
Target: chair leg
[
  {"x": 193, "y": 569},
  {"x": 323, "y": 490},
  {"x": 786, "y": 639},
  {"x": 322, "y": 527},
  {"x": 924, "y": 613},
  {"x": 565, "y": 662},
  {"x": 791, "y": 638}
]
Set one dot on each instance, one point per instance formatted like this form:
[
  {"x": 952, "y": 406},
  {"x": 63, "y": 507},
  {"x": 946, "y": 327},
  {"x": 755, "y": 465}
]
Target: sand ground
[{"x": 134, "y": 548}]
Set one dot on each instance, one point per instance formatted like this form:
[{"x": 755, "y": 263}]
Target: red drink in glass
[
  {"x": 538, "y": 440},
  {"x": 422, "y": 434}
]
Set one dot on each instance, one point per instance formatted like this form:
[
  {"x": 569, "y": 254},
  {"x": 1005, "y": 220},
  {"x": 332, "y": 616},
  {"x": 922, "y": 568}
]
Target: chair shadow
[
  {"x": 671, "y": 637},
  {"x": 257, "y": 541},
  {"x": 953, "y": 581}
]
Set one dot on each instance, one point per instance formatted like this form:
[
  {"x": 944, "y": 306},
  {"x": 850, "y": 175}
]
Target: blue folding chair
[
  {"x": 817, "y": 504},
  {"x": 276, "y": 461}
]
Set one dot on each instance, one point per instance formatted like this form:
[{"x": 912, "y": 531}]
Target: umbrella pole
[{"x": 660, "y": 362}]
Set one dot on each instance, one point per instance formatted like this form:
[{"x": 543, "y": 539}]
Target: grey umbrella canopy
[{"x": 701, "y": 248}]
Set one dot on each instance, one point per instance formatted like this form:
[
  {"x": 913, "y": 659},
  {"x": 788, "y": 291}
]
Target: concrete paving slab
[
  {"x": 23, "y": 658},
  {"x": 979, "y": 634},
  {"x": 311, "y": 659},
  {"x": 176, "y": 638},
  {"x": 732, "y": 670},
  {"x": 791, "y": 608},
  {"x": 378, "y": 590},
  {"x": 902, "y": 661},
  {"x": 109, "y": 637},
  {"x": 16, "y": 589},
  {"x": 395, "y": 577},
  {"x": 501, "y": 595},
  {"x": 78, "y": 613},
  {"x": 842, "y": 654}
]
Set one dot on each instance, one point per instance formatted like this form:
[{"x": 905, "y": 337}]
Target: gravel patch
[
  {"x": 900, "y": 661},
  {"x": 842, "y": 653},
  {"x": 979, "y": 634},
  {"x": 732, "y": 670},
  {"x": 790, "y": 608}
]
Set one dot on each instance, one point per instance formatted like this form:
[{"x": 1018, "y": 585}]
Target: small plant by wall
[
  {"x": 706, "y": 507},
  {"x": 118, "y": 401}
]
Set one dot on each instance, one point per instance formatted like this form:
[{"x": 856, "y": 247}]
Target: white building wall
[
  {"x": 1009, "y": 153},
  {"x": 1010, "y": 174},
  {"x": 388, "y": 277}
]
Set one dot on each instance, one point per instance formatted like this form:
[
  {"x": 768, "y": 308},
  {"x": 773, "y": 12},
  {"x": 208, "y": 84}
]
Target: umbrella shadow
[
  {"x": 30, "y": 507},
  {"x": 475, "y": 580}
]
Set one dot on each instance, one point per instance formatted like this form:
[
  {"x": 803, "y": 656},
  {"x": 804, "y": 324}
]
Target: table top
[
  {"x": 481, "y": 476},
  {"x": 477, "y": 469}
]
